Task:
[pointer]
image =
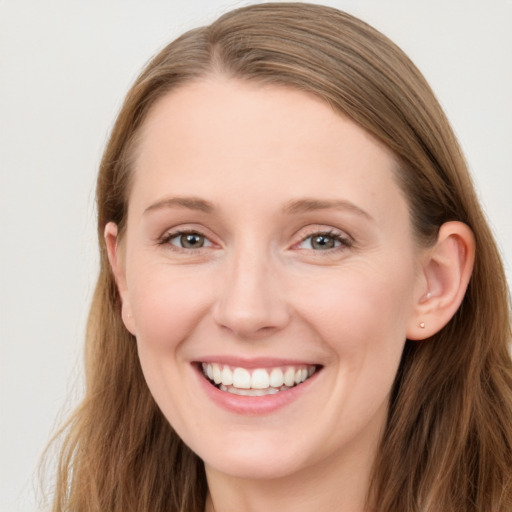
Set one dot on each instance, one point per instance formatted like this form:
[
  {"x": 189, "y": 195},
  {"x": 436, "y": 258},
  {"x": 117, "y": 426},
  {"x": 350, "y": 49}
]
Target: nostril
[{"x": 254, "y": 320}]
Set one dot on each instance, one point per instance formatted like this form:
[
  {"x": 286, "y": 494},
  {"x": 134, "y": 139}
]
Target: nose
[{"x": 251, "y": 300}]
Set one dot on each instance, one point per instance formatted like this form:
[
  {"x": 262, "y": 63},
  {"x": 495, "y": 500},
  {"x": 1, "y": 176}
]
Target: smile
[{"x": 258, "y": 381}]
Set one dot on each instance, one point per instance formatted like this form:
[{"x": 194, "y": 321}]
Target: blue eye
[
  {"x": 324, "y": 241},
  {"x": 189, "y": 240}
]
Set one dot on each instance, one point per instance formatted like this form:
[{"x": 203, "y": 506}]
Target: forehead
[{"x": 232, "y": 139}]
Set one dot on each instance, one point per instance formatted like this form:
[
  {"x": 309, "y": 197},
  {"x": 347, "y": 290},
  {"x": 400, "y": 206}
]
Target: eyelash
[
  {"x": 168, "y": 237},
  {"x": 343, "y": 240}
]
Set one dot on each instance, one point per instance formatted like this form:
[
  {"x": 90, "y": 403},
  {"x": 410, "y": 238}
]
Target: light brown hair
[{"x": 448, "y": 440}]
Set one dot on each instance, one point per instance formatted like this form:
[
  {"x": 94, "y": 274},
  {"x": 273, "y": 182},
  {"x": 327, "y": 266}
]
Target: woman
[{"x": 300, "y": 305}]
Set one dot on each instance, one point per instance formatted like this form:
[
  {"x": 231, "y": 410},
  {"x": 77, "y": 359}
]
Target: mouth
[{"x": 256, "y": 381}]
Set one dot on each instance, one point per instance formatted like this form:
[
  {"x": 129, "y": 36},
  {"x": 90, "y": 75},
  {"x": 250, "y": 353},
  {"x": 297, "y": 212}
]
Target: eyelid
[
  {"x": 177, "y": 236},
  {"x": 169, "y": 234},
  {"x": 340, "y": 236}
]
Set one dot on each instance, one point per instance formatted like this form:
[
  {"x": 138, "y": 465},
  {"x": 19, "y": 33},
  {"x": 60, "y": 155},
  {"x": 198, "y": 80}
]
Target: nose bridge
[{"x": 250, "y": 299}]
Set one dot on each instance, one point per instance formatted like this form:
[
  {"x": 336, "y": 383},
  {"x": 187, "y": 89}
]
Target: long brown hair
[{"x": 448, "y": 441}]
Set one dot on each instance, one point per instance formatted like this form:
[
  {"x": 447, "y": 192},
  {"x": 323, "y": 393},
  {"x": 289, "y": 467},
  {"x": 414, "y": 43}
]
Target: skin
[{"x": 258, "y": 287}]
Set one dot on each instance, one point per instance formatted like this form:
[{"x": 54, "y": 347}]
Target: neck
[{"x": 339, "y": 484}]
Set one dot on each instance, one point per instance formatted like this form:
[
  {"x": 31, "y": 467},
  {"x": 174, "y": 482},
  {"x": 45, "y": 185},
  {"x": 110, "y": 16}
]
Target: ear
[
  {"x": 446, "y": 271},
  {"x": 118, "y": 269}
]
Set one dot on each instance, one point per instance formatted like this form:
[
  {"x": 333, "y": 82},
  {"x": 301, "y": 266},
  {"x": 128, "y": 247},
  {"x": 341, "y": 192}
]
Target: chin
[
  {"x": 257, "y": 462},
  {"x": 250, "y": 469}
]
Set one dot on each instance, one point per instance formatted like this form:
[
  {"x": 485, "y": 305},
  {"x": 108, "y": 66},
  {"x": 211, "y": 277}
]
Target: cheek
[
  {"x": 362, "y": 317},
  {"x": 364, "y": 307},
  {"x": 167, "y": 304}
]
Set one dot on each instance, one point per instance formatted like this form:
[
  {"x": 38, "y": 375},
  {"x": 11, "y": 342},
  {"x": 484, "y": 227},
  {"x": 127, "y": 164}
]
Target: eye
[
  {"x": 324, "y": 241},
  {"x": 188, "y": 240}
]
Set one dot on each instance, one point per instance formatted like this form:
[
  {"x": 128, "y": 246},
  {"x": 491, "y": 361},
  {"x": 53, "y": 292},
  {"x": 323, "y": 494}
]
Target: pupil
[
  {"x": 192, "y": 240},
  {"x": 322, "y": 242}
]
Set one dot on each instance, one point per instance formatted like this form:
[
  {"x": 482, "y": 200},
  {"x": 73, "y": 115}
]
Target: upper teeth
[{"x": 259, "y": 378}]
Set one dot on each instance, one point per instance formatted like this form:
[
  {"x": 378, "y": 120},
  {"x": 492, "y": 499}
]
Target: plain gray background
[{"x": 65, "y": 66}]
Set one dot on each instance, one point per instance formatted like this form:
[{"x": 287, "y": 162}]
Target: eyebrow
[
  {"x": 309, "y": 205},
  {"x": 189, "y": 203},
  {"x": 293, "y": 207}
]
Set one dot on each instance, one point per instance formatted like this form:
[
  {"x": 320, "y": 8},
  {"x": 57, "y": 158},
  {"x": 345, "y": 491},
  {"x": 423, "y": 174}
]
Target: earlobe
[
  {"x": 446, "y": 272},
  {"x": 117, "y": 266}
]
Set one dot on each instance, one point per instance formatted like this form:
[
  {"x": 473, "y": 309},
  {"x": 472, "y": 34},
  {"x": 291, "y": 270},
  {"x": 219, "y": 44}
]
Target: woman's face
[{"x": 267, "y": 243}]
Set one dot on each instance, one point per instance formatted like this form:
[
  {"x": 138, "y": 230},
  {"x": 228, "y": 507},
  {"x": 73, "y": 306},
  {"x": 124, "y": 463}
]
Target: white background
[{"x": 64, "y": 67}]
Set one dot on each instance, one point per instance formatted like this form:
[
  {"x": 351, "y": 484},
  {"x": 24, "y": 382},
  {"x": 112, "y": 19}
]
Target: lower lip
[{"x": 254, "y": 405}]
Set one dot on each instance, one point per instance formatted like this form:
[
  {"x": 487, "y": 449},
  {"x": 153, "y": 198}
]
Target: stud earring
[{"x": 422, "y": 325}]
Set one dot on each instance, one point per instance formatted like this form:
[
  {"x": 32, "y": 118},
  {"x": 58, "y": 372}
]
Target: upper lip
[{"x": 258, "y": 362}]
